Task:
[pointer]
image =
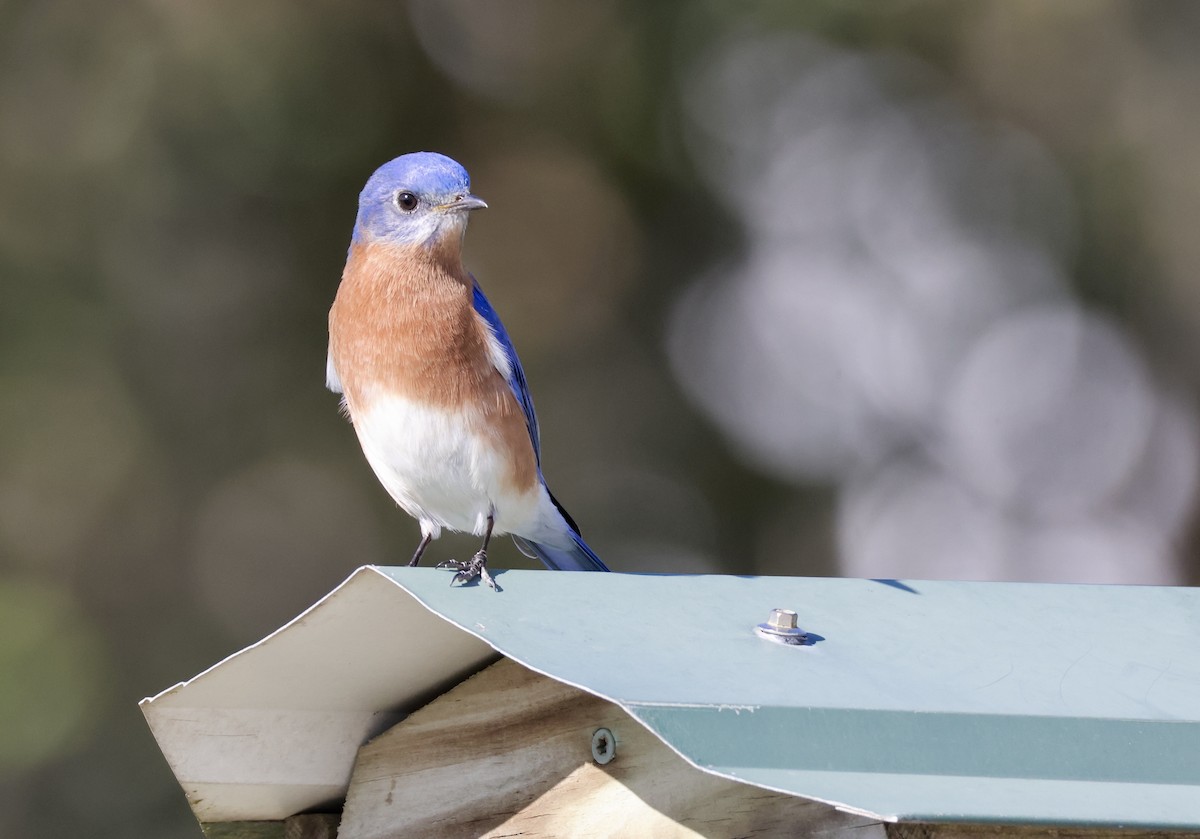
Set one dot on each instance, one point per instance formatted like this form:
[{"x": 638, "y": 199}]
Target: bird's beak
[{"x": 463, "y": 203}]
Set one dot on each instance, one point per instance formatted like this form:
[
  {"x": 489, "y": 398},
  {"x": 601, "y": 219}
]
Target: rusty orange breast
[{"x": 403, "y": 324}]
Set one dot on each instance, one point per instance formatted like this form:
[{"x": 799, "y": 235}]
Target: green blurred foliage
[{"x": 177, "y": 187}]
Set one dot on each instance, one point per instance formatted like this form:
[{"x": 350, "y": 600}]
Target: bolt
[
  {"x": 781, "y": 627},
  {"x": 782, "y": 619}
]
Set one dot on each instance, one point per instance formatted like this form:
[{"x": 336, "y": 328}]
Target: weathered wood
[
  {"x": 312, "y": 826},
  {"x": 242, "y": 830},
  {"x": 509, "y": 752},
  {"x": 998, "y": 831},
  {"x": 305, "y": 826}
]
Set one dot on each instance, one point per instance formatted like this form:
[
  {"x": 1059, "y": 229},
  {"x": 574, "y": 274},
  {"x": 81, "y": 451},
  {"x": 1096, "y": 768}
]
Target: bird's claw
[{"x": 474, "y": 568}]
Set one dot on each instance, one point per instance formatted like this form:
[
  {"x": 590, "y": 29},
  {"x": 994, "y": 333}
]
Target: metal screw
[
  {"x": 782, "y": 619},
  {"x": 781, "y": 627},
  {"x": 604, "y": 746}
]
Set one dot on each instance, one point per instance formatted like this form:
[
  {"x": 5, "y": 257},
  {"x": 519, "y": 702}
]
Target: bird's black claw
[
  {"x": 473, "y": 569},
  {"x": 487, "y": 577}
]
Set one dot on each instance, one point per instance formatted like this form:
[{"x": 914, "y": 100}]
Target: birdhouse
[{"x": 581, "y": 705}]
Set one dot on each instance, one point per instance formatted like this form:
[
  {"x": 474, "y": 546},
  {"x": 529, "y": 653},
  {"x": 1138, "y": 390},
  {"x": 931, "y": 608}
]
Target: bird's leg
[
  {"x": 425, "y": 540},
  {"x": 476, "y": 566}
]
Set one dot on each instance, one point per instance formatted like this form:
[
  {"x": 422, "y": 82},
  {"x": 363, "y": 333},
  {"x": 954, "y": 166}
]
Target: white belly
[{"x": 442, "y": 470}]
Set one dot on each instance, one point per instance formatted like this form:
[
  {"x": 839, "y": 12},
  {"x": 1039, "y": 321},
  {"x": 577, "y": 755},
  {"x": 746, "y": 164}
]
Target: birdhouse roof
[{"x": 912, "y": 701}]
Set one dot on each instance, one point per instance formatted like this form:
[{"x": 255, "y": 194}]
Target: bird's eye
[{"x": 406, "y": 201}]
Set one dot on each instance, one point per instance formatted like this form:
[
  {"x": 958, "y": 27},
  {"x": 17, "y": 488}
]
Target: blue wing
[
  {"x": 578, "y": 556},
  {"x": 516, "y": 376}
]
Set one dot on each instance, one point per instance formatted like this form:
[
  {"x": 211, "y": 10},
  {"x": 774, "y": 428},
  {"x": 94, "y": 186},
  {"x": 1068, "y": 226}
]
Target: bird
[{"x": 430, "y": 380}]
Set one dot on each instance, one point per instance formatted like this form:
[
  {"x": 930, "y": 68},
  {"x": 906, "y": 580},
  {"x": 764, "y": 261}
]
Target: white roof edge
[{"x": 316, "y": 605}]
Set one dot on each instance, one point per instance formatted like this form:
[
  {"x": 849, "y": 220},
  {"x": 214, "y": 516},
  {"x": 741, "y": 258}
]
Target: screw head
[
  {"x": 782, "y": 619},
  {"x": 604, "y": 746},
  {"x": 781, "y": 627}
]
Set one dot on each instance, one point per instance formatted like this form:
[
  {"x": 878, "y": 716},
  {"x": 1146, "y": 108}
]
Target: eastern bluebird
[{"x": 430, "y": 379}]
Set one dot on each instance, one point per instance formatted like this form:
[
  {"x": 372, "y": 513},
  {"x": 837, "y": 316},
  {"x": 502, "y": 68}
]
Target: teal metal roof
[
  {"x": 915, "y": 701},
  {"x": 918, "y": 701}
]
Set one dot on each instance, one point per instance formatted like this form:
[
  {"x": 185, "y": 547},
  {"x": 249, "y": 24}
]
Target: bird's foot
[{"x": 472, "y": 569}]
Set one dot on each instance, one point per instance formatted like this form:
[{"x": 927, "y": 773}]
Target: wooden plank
[
  {"x": 242, "y": 830},
  {"x": 304, "y": 826},
  {"x": 509, "y": 752},
  {"x": 312, "y": 826},
  {"x": 996, "y": 831}
]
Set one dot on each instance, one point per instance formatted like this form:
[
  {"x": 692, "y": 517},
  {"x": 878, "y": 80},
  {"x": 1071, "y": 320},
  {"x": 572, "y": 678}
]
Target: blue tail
[{"x": 579, "y": 557}]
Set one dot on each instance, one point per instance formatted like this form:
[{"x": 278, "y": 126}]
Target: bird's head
[{"x": 416, "y": 199}]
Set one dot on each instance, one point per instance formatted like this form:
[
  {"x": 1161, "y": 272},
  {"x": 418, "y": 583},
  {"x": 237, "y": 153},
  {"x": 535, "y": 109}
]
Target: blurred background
[{"x": 888, "y": 290}]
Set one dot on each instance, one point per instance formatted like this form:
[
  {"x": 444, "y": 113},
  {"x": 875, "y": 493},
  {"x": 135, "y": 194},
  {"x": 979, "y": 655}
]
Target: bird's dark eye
[{"x": 406, "y": 201}]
